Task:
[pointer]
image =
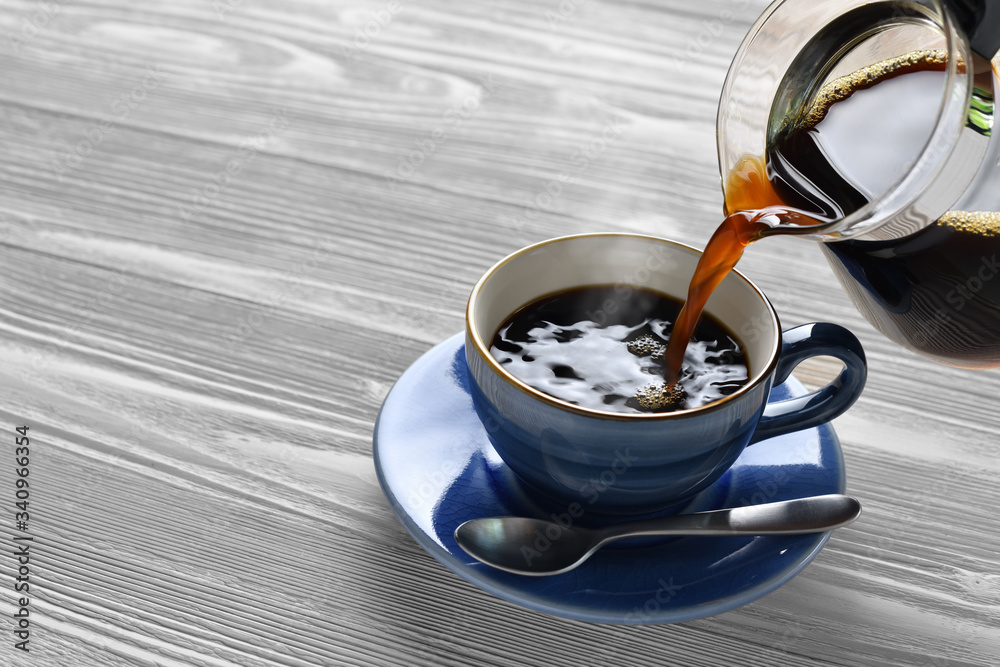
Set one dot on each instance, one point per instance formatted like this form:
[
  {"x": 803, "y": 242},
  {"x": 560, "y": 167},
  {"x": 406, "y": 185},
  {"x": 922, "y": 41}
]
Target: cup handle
[{"x": 822, "y": 405}]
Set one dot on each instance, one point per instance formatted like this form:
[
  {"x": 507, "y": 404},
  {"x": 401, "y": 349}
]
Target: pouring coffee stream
[
  {"x": 722, "y": 253},
  {"x": 911, "y": 228},
  {"x": 792, "y": 188}
]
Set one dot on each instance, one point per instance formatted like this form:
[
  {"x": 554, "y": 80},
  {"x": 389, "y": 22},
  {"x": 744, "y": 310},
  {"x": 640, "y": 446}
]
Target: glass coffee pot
[{"x": 877, "y": 118}]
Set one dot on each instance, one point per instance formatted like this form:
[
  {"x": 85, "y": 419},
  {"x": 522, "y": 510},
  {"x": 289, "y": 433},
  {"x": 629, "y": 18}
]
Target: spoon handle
[{"x": 817, "y": 514}]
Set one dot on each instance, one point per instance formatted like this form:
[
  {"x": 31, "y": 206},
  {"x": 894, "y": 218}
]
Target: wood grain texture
[{"x": 226, "y": 228}]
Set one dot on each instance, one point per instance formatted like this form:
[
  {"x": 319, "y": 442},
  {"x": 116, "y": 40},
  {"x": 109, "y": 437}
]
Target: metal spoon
[{"x": 536, "y": 547}]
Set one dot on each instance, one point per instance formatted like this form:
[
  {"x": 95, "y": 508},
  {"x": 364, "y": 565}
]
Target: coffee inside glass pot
[{"x": 875, "y": 120}]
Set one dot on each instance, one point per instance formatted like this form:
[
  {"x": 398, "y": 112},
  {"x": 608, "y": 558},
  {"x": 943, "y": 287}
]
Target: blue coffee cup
[{"x": 631, "y": 464}]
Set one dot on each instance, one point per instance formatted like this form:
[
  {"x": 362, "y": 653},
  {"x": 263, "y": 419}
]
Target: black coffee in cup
[{"x": 601, "y": 347}]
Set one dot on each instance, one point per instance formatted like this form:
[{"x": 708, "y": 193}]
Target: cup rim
[{"x": 483, "y": 351}]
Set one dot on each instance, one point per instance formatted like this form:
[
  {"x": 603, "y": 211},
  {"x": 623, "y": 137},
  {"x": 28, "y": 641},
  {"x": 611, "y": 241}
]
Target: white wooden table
[{"x": 227, "y": 227}]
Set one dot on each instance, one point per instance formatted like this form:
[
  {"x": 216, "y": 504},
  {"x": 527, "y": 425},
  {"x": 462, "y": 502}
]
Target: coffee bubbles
[{"x": 614, "y": 362}]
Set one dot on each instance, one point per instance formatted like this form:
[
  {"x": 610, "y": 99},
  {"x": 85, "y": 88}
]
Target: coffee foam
[
  {"x": 980, "y": 223},
  {"x": 866, "y": 77},
  {"x": 657, "y": 396},
  {"x": 647, "y": 346}
]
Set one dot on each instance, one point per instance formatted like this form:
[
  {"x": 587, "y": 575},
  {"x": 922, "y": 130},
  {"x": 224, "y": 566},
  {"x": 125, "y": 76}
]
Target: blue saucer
[{"x": 438, "y": 469}]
